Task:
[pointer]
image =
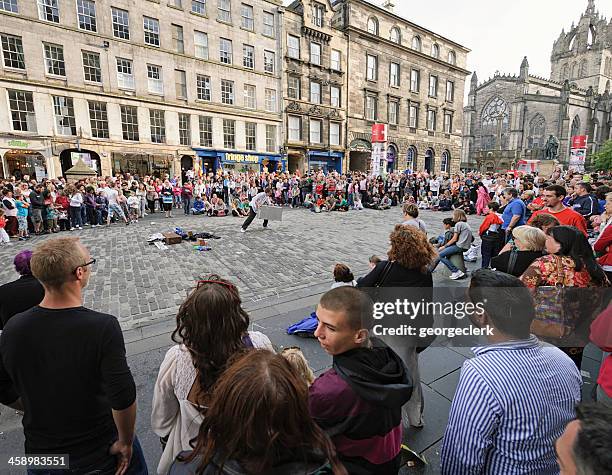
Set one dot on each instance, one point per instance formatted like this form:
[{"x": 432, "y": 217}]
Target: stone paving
[
  {"x": 142, "y": 285},
  {"x": 281, "y": 274}
]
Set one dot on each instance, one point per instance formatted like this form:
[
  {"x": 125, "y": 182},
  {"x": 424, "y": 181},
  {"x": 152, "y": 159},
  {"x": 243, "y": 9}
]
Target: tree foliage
[{"x": 602, "y": 160}]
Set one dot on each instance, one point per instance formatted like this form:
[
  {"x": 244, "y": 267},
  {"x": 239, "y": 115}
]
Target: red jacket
[
  {"x": 492, "y": 218},
  {"x": 603, "y": 245}
]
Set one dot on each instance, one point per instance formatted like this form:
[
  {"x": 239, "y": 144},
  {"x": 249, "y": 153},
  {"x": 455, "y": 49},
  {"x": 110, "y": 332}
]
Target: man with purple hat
[{"x": 21, "y": 294}]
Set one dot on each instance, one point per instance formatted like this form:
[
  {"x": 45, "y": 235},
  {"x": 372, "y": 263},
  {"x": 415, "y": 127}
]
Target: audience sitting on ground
[
  {"x": 446, "y": 202},
  {"x": 257, "y": 422},
  {"x": 198, "y": 206}
]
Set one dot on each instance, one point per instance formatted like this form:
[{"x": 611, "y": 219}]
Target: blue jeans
[
  {"x": 75, "y": 216},
  {"x": 187, "y": 204},
  {"x": 445, "y": 254},
  {"x": 138, "y": 466}
]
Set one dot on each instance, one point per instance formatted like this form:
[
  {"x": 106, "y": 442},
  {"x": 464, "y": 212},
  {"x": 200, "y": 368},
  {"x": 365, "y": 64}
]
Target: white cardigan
[{"x": 172, "y": 413}]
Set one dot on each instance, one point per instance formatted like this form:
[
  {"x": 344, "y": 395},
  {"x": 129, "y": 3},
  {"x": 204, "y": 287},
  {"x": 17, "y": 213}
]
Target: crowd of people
[
  {"x": 52, "y": 205},
  {"x": 226, "y": 402}
]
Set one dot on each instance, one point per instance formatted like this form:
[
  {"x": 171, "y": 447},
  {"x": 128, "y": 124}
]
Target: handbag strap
[
  {"x": 512, "y": 260},
  {"x": 560, "y": 273},
  {"x": 384, "y": 274}
]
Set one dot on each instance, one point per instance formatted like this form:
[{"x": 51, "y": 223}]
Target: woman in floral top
[{"x": 569, "y": 263}]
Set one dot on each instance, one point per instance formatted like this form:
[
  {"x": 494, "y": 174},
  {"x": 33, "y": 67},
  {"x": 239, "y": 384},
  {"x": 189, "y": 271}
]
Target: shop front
[
  {"x": 212, "y": 160},
  {"x": 142, "y": 164},
  {"x": 325, "y": 161},
  {"x": 21, "y": 158}
]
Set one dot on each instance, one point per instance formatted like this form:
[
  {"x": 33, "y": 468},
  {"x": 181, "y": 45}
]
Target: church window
[
  {"x": 564, "y": 73},
  {"x": 495, "y": 125},
  {"x": 537, "y": 132},
  {"x": 583, "y": 69},
  {"x": 576, "y": 126}
]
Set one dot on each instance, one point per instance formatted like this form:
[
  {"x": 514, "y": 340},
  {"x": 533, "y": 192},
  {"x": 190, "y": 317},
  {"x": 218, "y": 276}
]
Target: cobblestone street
[{"x": 141, "y": 284}]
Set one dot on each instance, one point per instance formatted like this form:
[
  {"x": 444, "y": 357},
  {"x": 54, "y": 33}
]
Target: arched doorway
[
  {"x": 25, "y": 162},
  {"x": 186, "y": 165},
  {"x": 360, "y": 155},
  {"x": 411, "y": 158},
  {"x": 70, "y": 156},
  {"x": 429, "y": 161},
  {"x": 391, "y": 158}
]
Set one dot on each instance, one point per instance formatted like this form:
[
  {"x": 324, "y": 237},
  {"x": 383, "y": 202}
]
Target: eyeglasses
[{"x": 93, "y": 261}]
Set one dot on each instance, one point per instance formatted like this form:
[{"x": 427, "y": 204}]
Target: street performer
[{"x": 259, "y": 200}]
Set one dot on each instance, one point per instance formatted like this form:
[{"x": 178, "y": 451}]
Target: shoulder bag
[{"x": 551, "y": 318}]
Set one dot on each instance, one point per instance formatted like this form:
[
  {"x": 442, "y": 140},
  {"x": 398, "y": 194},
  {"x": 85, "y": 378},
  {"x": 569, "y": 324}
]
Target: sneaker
[
  {"x": 71, "y": 229},
  {"x": 21, "y": 238},
  {"x": 242, "y": 230},
  {"x": 80, "y": 228},
  {"x": 457, "y": 275}
]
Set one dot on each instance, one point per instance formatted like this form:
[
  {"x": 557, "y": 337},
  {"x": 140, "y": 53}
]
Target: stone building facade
[
  {"x": 315, "y": 87},
  {"x": 510, "y": 118},
  {"x": 143, "y": 86},
  {"x": 408, "y": 77}
]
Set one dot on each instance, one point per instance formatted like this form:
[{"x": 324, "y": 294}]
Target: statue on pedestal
[{"x": 551, "y": 149}]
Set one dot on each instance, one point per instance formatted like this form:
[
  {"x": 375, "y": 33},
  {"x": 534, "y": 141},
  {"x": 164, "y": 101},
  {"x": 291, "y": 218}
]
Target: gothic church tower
[{"x": 583, "y": 56}]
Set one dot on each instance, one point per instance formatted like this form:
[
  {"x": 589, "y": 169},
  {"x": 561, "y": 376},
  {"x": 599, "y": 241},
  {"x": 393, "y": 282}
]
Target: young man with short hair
[
  {"x": 358, "y": 401},
  {"x": 515, "y": 396},
  {"x": 586, "y": 444},
  {"x": 553, "y": 198},
  {"x": 64, "y": 366}
]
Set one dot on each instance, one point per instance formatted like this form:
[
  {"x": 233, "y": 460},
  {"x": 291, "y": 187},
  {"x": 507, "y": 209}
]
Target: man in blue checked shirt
[{"x": 515, "y": 397}]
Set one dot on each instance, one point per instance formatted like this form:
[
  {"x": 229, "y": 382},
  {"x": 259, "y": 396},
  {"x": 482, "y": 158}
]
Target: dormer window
[
  {"x": 318, "y": 14},
  {"x": 373, "y": 26}
]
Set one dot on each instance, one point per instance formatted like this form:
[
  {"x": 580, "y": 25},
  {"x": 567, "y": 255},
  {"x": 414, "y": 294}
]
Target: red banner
[
  {"x": 579, "y": 141},
  {"x": 379, "y": 133}
]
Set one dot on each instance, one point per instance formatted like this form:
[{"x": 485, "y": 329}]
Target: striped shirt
[{"x": 513, "y": 401}]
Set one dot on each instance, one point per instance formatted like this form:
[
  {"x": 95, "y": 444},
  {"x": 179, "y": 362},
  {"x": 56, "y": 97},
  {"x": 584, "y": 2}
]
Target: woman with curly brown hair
[
  {"x": 410, "y": 257},
  {"x": 258, "y": 424},
  {"x": 211, "y": 327}
]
